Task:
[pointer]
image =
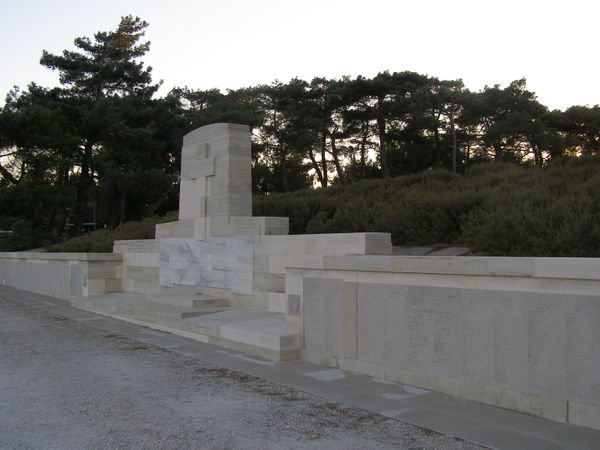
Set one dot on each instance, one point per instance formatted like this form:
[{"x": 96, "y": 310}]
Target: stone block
[
  {"x": 275, "y": 225},
  {"x": 137, "y": 246},
  {"x": 141, "y": 259},
  {"x": 101, "y": 270},
  {"x": 542, "y": 406},
  {"x": 260, "y": 263},
  {"x": 184, "y": 228},
  {"x": 294, "y": 280},
  {"x": 142, "y": 273},
  {"x": 350, "y": 315},
  {"x": 198, "y": 167},
  {"x": 584, "y": 414},
  {"x": 95, "y": 287},
  {"x": 294, "y": 305},
  {"x": 218, "y": 155},
  {"x": 323, "y": 303},
  {"x": 570, "y": 268},
  {"x": 378, "y": 244},
  {"x": 279, "y": 263},
  {"x": 49, "y": 277},
  {"x": 77, "y": 280},
  {"x": 322, "y": 244},
  {"x": 270, "y": 333},
  {"x": 269, "y": 282},
  {"x": 368, "y": 263},
  {"x": 257, "y": 301},
  {"x": 278, "y": 303},
  {"x": 112, "y": 285},
  {"x": 187, "y": 199},
  {"x": 566, "y": 286}
]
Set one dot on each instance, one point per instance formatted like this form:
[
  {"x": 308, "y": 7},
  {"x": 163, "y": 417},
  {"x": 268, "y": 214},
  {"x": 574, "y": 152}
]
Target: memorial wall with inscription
[{"x": 535, "y": 350}]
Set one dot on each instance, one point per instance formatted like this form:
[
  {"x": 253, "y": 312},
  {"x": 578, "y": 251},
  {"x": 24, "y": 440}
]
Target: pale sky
[{"x": 234, "y": 43}]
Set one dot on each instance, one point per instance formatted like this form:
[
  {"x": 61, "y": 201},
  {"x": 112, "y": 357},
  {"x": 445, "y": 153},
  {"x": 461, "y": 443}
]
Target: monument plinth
[{"x": 215, "y": 197}]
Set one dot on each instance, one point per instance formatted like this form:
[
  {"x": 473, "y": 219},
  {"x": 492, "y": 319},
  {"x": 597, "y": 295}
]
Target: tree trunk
[
  {"x": 122, "y": 207},
  {"x": 336, "y": 160},
  {"x": 317, "y": 168},
  {"x": 153, "y": 207},
  {"x": 454, "y": 141},
  {"x": 382, "y": 146},
  {"x": 537, "y": 155},
  {"x": 498, "y": 152},
  {"x": 284, "y": 174},
  {"x": 436, "y": 140},
  {"x": 363, "y": 151},
  {"x": 83, "y": 188},
  {"x": 50, "y": 224},
  {"x": 324, "y": 160},
  {"x": 7, "y": 175}
]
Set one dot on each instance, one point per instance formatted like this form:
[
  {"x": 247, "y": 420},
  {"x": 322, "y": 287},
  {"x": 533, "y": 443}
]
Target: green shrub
[
  {"x": 495, "y": 208},
  {"x": 101, "y": 241}
]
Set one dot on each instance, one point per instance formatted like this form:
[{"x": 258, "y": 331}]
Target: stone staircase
[{"x": 205, "y": 318}]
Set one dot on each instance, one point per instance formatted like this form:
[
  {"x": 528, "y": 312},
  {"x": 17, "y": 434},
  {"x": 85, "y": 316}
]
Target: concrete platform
[
  {"x": 486, "y": 425},
  {"x": 203, "y": 318}
]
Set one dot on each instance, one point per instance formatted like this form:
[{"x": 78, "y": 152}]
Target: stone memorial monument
[{"x": 216, "y": 187}]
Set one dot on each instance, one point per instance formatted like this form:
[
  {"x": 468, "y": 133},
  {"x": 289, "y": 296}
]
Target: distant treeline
[
  {"x": 339, "y": 131},
  {"x": 104, "y": 149}
]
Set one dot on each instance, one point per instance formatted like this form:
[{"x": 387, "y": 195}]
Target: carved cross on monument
[
  {"x": 194, "y": 183},
  {"x": 215, "y": 197}
]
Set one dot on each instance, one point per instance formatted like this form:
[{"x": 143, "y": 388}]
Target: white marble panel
[{"x": 215, "y": 262}]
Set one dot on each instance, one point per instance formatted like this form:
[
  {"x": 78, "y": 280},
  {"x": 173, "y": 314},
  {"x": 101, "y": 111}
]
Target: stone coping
[
  {"x": 566, "y": 268},
  {"x": 62, "y": 256}
]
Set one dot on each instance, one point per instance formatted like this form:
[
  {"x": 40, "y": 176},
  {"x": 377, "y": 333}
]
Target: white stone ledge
[
  {"x": 562, "y": 268},
  {"x": 137, "y": 246},
  {"x": 61, "y": 256}
]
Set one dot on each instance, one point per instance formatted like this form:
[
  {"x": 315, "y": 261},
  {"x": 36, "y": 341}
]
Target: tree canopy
[{"x": 102, "y": 147}]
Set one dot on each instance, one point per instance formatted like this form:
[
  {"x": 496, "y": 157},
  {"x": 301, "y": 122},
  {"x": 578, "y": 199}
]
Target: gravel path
[{"x": 66, "y": 385}]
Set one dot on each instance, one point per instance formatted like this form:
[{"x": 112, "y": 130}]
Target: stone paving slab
[
  {"x": 260, "y": 332},
  {"x": 482, "y": 424}
]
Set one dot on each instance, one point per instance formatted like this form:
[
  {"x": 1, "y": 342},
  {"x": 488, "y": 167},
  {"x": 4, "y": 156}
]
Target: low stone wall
[
  {"x": 62, "y": 275},
  {"x": 141, "y": 262},
  {"x": 520, "y": 333},
  {"x": 249, "y": 270}
]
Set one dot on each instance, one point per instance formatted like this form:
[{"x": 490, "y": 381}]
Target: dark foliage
[{"x": 496, "y": 209}]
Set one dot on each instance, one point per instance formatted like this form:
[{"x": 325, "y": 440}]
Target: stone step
[
  {"x": 138, "y": 305},
  {"x": 189, "y": 300},
  {"x": 156, "y": 310},
  {"x": 104, "y": 304},
  {"x": 262, "y": 333}
]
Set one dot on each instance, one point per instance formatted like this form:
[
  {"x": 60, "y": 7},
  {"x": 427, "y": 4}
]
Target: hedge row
[{"x": 495, "y": 208}]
